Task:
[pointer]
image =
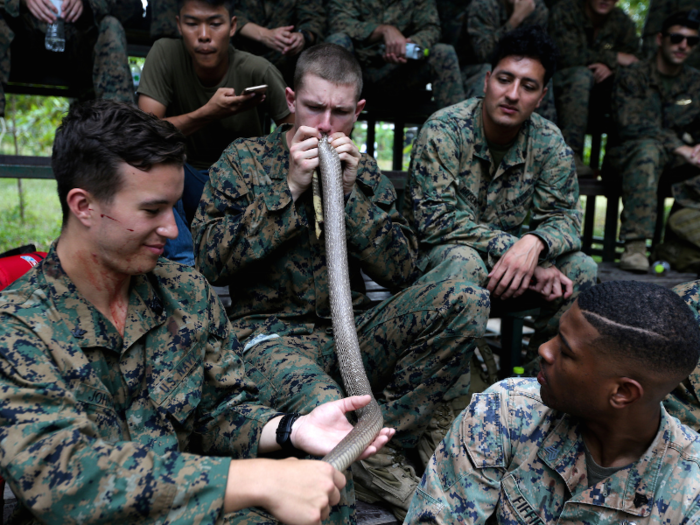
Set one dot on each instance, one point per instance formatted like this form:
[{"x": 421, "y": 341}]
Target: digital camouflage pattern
[
  {"x": 351, "y": 22},
  {"x": 306, "y": 15},
  {"x": 163, "y": 13},
  {"x": 579, "y": 47},
  {"x": 511, "y": 457},
  {"x": 109, "y": 62},
  {"x": 468, "y": 212},
  {"x": 684, "y": 401},
  {"x": 660, "y": 10},
  {"x": 652, "y": 120},
  {"x": 139, "y": 428},
  {"x": 250, "y": 235}
]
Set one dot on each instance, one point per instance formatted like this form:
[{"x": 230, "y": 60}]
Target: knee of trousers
[
  {"x": 580, "y": 268},
  {"x": 577, "y": 75},
  {"x": 455, "y": 261},
  {"x": 644, "y": 152},
  {"x": 342, "y": 40},
  {"x": 442, "y": 55},
  {"x": 113, "y": 26}
]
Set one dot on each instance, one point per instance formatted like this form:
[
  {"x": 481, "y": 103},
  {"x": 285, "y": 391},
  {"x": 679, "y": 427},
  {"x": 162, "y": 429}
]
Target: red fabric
[{"x": 12, "y": 268}]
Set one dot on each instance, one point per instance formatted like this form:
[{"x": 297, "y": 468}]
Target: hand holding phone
[{"x": 262, "y": 89}]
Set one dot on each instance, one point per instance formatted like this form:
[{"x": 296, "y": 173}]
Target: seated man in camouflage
[
  {"x": 595, "y": 39},
  {"x": 377, "y": 32},
  {"x": 123, "y": 397},
  {"x": 656, "y": 107},
  {"x": 660, "y": 10},
  {"x": 254, "y": 231},
  {"x": 484, "y": 23},
  {"x": 280, "y": 31},
  {"x": 479, "y": 169},
  {"x": 592, "y": 443},
  {"x": 95, "y": 44}
]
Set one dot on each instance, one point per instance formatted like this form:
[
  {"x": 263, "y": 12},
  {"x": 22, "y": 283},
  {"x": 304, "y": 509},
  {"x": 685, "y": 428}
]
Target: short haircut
[
  {"x": 643, "y": 323},
  {"x": 96, "y": 137},
  {"x": 330, "y": 62},
  {"x": 531, "y": 42},
  {"x": 228, "y": 4},
  {"x": 689, "y": 18}
]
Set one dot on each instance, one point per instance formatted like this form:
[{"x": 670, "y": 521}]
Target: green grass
[{"x": 42, "y": 214}]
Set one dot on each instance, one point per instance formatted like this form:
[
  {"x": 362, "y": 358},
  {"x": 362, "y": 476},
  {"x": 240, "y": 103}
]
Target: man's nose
[
  {"x": 203, "y": 33},
  {"x": 168, "y": 228},
  {"x": 513, "y": 92},
  {"x": 324, "y": 125},
  {"x": 546, "y": 351}
]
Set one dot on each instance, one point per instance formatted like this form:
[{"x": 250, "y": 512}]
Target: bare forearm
[
  {"x": 189, "y": 123},
  {"x": 253, "y": 31}
]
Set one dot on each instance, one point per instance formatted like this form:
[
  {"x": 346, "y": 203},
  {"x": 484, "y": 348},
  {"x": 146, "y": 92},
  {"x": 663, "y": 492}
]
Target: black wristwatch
[{"x": 284, "y": 433}]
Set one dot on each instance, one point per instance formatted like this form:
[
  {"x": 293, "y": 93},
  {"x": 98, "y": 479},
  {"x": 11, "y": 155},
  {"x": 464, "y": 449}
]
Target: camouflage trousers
[
  {"x": 577, "y": 96},
  {"x": 684, "y": 401},
  {"x": 440, "y": 68},
  {"x": 474, "y": 76},
  {"x": 641, "y": 164},
  {"x": 415, "y": 345},
  {"x": 102, "y": 48},
  {"x": 453, "y": 261}
]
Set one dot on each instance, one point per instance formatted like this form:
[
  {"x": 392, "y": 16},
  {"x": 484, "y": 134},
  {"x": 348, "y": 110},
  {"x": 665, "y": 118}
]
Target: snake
[{"x": 329, "y": 209}]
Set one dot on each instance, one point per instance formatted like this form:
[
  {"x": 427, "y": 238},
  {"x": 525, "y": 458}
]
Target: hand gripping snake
[{"x": 347, "y": 346}]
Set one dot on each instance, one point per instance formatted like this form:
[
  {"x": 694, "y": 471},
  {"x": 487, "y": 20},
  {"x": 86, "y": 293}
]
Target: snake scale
[{"x": 347, "y": 346}]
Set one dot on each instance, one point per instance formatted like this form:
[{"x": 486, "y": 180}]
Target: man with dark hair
[
  {"x": 254, "y": 231},
  {"x": 592, "y": 444},
  {"x": 377, "y": 33},
  {"x": 660, "y": 10},
  {"x": 279, "y": 31},
  {"x": 595, "y": 40},
  {"x": 657, "y": 115},
  {"x": 480, "y": 168},
  {"x": 123, "y": 396},
  {"x": 197, "y": 84}
]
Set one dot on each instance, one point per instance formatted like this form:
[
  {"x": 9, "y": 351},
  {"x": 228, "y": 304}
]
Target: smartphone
[{"x": 255, "y": 89}]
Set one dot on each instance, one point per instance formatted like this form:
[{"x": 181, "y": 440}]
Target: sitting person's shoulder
[{"x": 460, "y": 118}]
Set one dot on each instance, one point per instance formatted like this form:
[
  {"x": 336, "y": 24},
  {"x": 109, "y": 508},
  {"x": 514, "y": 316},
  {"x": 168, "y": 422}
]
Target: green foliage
[
  {"x": 637, "y": 9},
  {"x": 30, "y": 124}
]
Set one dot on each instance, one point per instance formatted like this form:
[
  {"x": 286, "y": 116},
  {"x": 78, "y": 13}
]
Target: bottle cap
[
  {"x": 518, "y": 370},
  {"x": 426, "y": 52},
  {"x": 659, "y": 268}
]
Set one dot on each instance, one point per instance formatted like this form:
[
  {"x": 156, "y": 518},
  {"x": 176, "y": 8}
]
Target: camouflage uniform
[
  {"x": 684, "y": 401},
  {"x": 307, "y": 16},
  {"x": 487, "y": 22},
  {"x": 163, "y": 13},
  {"x": 572, "y": 31},
  {"x": 111, "y": 76},
  {"x": 513, "y": 458},
  {"x": 250, "y": 235},
  {"x": 468, "y": 213},
  {"x": 660, "y": 10},
  {"x": 351, "y": 22},
  {"x": 651, "y": 122},
  {"x": 139, "y": 428}
]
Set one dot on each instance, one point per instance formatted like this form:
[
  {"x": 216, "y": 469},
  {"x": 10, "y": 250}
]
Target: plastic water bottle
[
  {"x": 413, "y": 51},
  {"x": 661, "y": 267},
  {"x": 55, "y": 33},
  {"x": 135, "y": 74}
]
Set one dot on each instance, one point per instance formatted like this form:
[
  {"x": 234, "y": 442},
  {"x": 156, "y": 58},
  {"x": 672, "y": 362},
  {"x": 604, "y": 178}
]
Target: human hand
[
  {"x": 225, "y": 103},
  {"x": 395, "y": 45},
  {"x": 279, "y": 38},
  {"x": 551, "y": 284},
  {"x": 600, "y": 72},
  {"x": 296, "y": 46},
  {"x": 303, "y": 160},
  {"x": 691, "y": 154},
  {"x": 293, "y": 491},
  {"x": 326, "y": 425},
  {"x": 71, "y": 10},
  {"x": 521, "y": 10},
  {"x": 511, "y": 275},
  {"x": 626, "y": 59},
  {"x": 44, "y": 10},
  {"x": 349, "y": 156}
]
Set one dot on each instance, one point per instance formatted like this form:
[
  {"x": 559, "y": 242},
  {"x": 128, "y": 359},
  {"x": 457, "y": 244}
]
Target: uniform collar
[
  {"x": 679, "y": 86},
  {"x": 86, "y": 324},
  {"x": 516, "y": 154},
  {"x": 630, "y": 490}
]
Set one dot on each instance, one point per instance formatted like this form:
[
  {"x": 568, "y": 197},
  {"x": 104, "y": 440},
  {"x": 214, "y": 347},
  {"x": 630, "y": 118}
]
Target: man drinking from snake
[{"x": 254, "y": 231}]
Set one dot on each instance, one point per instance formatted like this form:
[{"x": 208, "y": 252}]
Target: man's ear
[
  {"x": 626, "y": 392},
  {"x": 544, "y": 92},
  {"x": 177, "y": 21},
  {"x": 80, "y": 204},
  {"x": 486, "y": 80},
  {"x": 234, "y": 26},
  {"x": 358, "y": 109},
  {"x": 659, "y": 38},
  {"x": 291, "y": 99}
]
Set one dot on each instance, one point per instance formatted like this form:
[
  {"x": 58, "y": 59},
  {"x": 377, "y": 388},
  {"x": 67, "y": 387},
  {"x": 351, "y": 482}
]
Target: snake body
[{"x": 347, "y": 346}]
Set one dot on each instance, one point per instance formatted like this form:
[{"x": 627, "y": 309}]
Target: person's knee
[
  {"x": 342, "y": 40},
  {"x": 580, "y": 268},
  {"x": 579, "y": 75},
  {"x": 442, "y": 55},
  {"x": 455, "y": 261},
  {"x": 110, "y": 25}
]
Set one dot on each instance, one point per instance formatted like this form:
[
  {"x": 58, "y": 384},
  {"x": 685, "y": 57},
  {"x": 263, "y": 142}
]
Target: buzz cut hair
[
  {"x": 228, "y": 4},
  {"x": 530, "y": 41},
  {"x": 96, "y": 138},
  {"x": 332, "y": 63},
  {"x": 643, "y": 323}
]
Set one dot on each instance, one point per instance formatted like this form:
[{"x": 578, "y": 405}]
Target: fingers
[
  {"x": 382, "y": 439},
  {"x": 43, "y": 10},
  {"x": 348, "y": 404},
  {"x": 568, "y": 286}
]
